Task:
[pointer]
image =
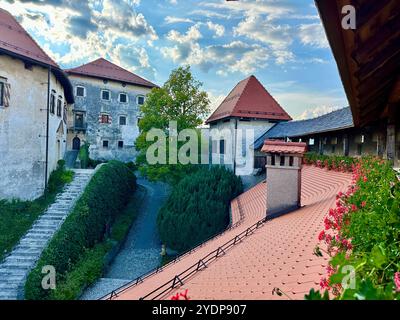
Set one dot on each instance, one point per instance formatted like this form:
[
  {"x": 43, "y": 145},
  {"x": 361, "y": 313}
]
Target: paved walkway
[
  {"x": 141, "y": 251},
  {"x": 279, "y": 254},
  {"x": 16, "y": 266}
]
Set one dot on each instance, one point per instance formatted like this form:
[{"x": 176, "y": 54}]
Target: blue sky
[{"x": 281, "y": 42}]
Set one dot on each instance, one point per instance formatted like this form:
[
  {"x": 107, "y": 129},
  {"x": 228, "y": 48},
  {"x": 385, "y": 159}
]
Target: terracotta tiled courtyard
[{"x": 279, "y": 254}]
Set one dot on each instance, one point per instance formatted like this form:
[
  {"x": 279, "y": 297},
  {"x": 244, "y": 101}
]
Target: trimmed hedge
[
  {"x": 88, "y": 224},
  {"x": 198, "y": 207}
]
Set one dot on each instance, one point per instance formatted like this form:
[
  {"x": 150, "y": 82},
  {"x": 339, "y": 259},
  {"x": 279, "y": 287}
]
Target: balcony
[{"x": 78, "y": 126}]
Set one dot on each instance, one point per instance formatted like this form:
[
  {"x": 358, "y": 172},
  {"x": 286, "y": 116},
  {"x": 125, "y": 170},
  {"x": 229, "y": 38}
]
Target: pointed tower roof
[
  {"x": 104, "y": 69},
  {"x": 14, "y": 39},
  {"x": 249, "y": 99}
]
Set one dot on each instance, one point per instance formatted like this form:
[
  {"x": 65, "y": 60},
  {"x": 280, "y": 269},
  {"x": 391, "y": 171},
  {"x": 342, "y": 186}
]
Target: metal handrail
[
  {"x": 198, "y": 266},
  {"x": 153, "y": 271}
]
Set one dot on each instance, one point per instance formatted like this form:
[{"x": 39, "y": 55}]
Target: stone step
[
  {"x": 17, "y": 265},
  {"x": 43, "y": 227},
  {"x": 22, "y": 259},
  {"x": 11, "y": 272},
  {"x": 50, "y": 218},
  {"x": 33, "y": 242},
  {"x": 27, "y": 252},
  {"x": 35, "y": 236},
  {"x": 11, "y": 278},
  {"x": 48, "y": 232}
]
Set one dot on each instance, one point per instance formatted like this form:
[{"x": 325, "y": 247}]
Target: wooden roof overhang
[{"x": 368, "y": 57}]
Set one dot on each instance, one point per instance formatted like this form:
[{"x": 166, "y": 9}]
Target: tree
[{"x": 180, "y": 99}]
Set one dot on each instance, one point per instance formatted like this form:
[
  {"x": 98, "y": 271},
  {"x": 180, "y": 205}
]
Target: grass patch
[{"x": 17, "y": 217}]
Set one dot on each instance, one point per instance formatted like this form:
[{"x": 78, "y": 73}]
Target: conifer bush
[
  {"x": 87, "y": 225},
  {"x": 198, "y": 207}
]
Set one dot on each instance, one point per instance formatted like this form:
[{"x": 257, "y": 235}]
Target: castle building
[
  {"x": 245, "y": 114},
  {"x": 34, "y": 97},
  {"x": 106, "y": 112}
]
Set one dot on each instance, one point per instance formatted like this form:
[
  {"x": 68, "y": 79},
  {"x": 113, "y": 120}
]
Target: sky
[{"x": 281, "y": 42}]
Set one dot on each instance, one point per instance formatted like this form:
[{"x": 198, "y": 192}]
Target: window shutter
[
  {"x": 7, "y": 94},
  {"x": 109, "y": 120}
]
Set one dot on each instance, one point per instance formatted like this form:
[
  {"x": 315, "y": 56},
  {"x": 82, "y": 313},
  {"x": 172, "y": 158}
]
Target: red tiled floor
[{"x": 279, "y": 254}]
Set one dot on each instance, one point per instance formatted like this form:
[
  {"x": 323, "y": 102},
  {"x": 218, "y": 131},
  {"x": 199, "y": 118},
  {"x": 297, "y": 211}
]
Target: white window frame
[
  {"x": 311, "y": 142},
  {"x": 119, "y": 97},
  {"x": 84, "y": 91},
  {"x": 137, "y": 99},
  {"x": 109, "y": 95}
]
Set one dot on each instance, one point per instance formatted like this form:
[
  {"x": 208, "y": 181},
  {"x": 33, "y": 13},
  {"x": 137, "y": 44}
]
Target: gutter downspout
[
  {"x": 235, "y": 147},
  {"x": 47, "y": 128}
]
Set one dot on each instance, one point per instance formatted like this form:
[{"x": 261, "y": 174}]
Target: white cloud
[
  {"x": 316, "y": 112},
  {"x": 171, "y": 20},
  {"x": 278, "y": 37},
  {"x": 217, "y": 28},
  {"x": 235, "y": 56},
  {"x": 313, "y": 35},
  {"x": 295, "y": 101}
]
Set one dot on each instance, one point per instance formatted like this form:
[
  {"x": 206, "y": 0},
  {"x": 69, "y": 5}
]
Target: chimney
[{"x": 284, "y": 163}]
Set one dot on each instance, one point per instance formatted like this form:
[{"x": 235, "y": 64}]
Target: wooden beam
[{"x": 394, "y": 96}]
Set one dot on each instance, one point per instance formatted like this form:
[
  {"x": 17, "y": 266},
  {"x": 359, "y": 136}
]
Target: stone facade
[
  {"x": 109, "y": 126},
  {"x": 23, "y": 129}
]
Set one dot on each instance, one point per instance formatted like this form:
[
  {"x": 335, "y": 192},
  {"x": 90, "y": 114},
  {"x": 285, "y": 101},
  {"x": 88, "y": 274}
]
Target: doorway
[{"x": 76, "y": 143}]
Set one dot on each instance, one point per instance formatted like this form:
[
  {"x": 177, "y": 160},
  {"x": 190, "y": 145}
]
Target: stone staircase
[{"x": 17, "y": 265}]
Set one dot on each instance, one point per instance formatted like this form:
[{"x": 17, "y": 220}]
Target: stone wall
[
  {"x": 23, "y": 130},
  {"x": 92, "y": 106}
]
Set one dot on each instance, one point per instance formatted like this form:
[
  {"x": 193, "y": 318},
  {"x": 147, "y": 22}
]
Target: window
[
  {"x": 105, "y": 143},
  {"x": 59, "y": 106},
  {"x": 282, "y": 161},
  {"x": 1, "y": 94},
  {"x": 105, "y": 95},
  {"x": 291, "y": 161},
  {"x": 52, "y": 102},
  {"x": 105, "y": 118},
  {"x": 333, "y": 148},
  {"x": 140, "y": 100},
  {"x": 273, "y": 160},
  {"x": 122, "y": 121},
  {"x": 120, "y": 144},
  {"x": 222, "y": 146},
  {"x": 123, "y": 98},
  {"x": 311, "y": 142},
  {"x": 80, "y": 91}
]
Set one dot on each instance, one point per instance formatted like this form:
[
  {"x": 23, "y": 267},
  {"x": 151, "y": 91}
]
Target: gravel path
[{"x": 141, "y": 251}]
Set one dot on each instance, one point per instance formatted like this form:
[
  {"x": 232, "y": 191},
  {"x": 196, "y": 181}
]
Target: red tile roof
[
  {"x": 249, "y": 99},
  {"x": 14, "y": 39},
  {"x": 278, "y": 254},
  {"x": 104, "y": 69},
  {"x": 278, "y": 146}
]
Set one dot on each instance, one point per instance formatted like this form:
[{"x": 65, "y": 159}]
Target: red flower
[
  {"x": 321, "y": 235},
  {"x": 353, "y": 207},
  {"x": 324, "y": 284},
  {"x": 397, "y": 281},
  {"x": 179, "y": 295},
  {"x": 365, "y": 179},
  {"x": 363, "y": 204}
]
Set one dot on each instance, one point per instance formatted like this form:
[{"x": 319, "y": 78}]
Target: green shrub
[
  {"x": 330, "y": 162},
  {"x": 84, "y": 156},
  {"x": 88, "y": 224},
  {"x": 17, "y": 217},
  {"x": 198, "y": 207},
  {"x": 363, "y": 232}
]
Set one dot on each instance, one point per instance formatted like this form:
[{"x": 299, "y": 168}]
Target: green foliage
[
  {"x": 84, "y": 156},
  {"x": 16, "y": 217},
  {"x": 372, "y": 224},
  {"x": 198, "y": 207},
  {"x": 87, "y": 226},
  {"x": 316, "y": 295},
  {"x": 180, "y": 99},
  {"x": 331, "y": 162}
]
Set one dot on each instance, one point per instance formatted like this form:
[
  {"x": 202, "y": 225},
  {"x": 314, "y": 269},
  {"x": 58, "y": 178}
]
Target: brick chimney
[{"x": 284, "y": 163}]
